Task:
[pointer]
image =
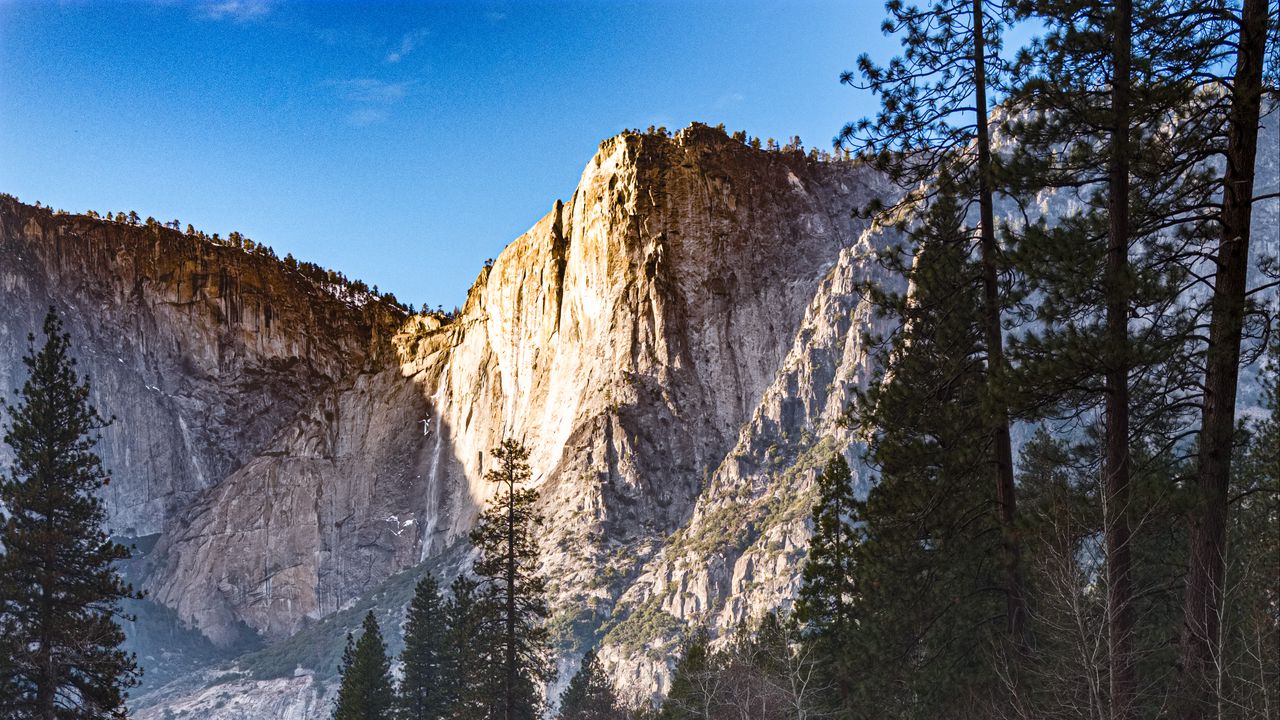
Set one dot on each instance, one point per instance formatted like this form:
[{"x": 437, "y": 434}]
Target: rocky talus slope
[{"x": 674, "y": 343}]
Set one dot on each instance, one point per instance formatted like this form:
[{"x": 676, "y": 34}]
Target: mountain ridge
[
  {"x": 676, "y": 343},
  {"x": 626, "y": 337}
]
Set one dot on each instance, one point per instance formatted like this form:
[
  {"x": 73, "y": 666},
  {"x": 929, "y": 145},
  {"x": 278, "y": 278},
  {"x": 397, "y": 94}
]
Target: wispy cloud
[
  {"x": 408, "y": 43},
  {"x": 728, "y": 100},
  {"x": 236, "y": 10},
  {"x": 364, "y": 117},
  {"x": 371, "y": 90},
  {"x": 494, "y": 16},
  {"x": 370, "y": 100},
  {"x": 347, "y": 37}
]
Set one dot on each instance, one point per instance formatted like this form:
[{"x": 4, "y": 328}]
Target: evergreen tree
[
  {"x": 366, "y": 692},
  {"x": 932, "y": 136},
  {"x": 927, "y": 605},
  {"x": 826, "y": 587},
  {"x": 508, "y": 570},
  {"x": 1110, "y": 114},
  {"x": 60, "y": 593},
  {"x": 1203, "y": 603},
  {"x": 1245, "y": 657},
  {"x": 471, "y": 686},
  {"x": 824, "y": 604},
  {"x": 694, "y": 681},
  {"x": 590, "y": 695},
  {"x": 1068, "y": 674},
  {"x": 422, "y": 692}
]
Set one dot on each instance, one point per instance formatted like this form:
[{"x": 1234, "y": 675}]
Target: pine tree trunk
[
  {"x": 1116, "y": 511},
  {"x": 1005, "y": 493},
  {"x": 511, "y": 598},
  {"x": 1204, "y": 597},
  {"x": 47, "y": 686}
]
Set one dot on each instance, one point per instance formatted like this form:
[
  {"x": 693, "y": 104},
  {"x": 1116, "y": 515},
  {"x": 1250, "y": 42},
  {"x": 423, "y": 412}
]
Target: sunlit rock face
[
  {"x": 675, "y": 343},
  {"x": 625, "y": 339},
  {"x": 639, "y": 339}
]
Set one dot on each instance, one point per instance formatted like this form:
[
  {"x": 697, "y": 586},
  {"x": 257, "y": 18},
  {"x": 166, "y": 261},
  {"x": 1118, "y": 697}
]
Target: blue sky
[{"x": 400, "y": 143}]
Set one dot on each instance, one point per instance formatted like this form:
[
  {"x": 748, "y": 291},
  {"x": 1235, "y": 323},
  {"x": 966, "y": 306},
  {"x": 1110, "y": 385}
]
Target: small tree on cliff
[
  {"x": 508, "y": 571},
  {"x": 59, "y": 591},
  {"x": 366, "y": 692}
]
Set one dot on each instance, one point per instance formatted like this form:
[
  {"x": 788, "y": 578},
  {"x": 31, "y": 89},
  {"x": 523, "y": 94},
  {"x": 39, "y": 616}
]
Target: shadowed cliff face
[
  {"x": 630, "y": 339},
  {"x": 201, "y": 352}
]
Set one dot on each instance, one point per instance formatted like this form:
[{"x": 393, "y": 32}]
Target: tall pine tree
[
  {"x": 427, "y": 666},
  {"x": 60, "y": 593},
  {"x": 508, "y": 571},
  {"x": 1203, "y": 602},
  {"x": 1245, "y": 667},
  {"x": 1109, "y": 117},
  {"x": 934, "y": 121},
  {"x": 366, "y": 692},
  {"x": 927, "y": 605}
]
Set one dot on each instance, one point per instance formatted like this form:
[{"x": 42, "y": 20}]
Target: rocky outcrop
[{"x": 738, "y": 556}]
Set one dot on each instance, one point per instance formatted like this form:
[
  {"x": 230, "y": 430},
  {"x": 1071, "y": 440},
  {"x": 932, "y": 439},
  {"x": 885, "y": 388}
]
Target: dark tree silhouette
[
  {"x": 366, "y": 692},
  {"x": 507, "y": 569},
  {"x": 60, "y": 593}
]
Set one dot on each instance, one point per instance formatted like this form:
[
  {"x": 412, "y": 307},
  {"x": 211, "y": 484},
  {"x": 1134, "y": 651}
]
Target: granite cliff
[
  {"x": 674, "y": 343},
  {"x": 269, "y": 446}
]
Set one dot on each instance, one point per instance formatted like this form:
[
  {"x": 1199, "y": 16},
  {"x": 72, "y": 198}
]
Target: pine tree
[
  {"x": 1246, "y": 657},
  {"x": 590, "y": 695},
  {"x": 508, "y": 570},
  {"x": 366, "y": 692},
  {"x": 1109, "y": 113},
  {"x": 826, "y": 585},
  {"x": 927, "y": 602},
  {"x": 934, "y": 126},
  {"x": 60, "y": 593},
  {"x": 471, "y": 686},
  {"x": 824, "y": 604},
  {"x": 1203, "y": 603},
  {"x": 694, "y": 681},
  {"x": 422, "y": 692}
]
